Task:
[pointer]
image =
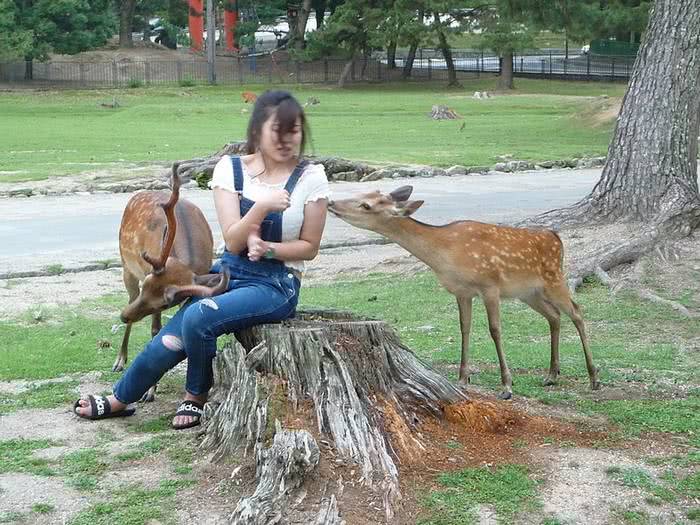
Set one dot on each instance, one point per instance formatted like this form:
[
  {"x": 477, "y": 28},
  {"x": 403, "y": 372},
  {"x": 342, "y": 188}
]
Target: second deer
[
  {"x": 476, "y": 259},
  {"x": 155, "y": 222}
]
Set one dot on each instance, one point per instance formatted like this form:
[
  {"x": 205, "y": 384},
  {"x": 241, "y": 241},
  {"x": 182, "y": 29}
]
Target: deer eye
[{"x": 365, "y": 206}]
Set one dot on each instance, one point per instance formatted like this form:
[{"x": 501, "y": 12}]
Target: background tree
[
  {"x": 650, "y": 177},
  {"x": 15, "y": 41},
  {"x": 63, "y": 26}
]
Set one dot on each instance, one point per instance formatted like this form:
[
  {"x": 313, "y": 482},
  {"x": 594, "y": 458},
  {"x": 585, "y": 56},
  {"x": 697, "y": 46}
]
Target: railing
[{"x": 428, "y": 65}]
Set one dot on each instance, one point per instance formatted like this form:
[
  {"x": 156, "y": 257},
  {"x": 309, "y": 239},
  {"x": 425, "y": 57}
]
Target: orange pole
[
  {"x": 230, "y": 21},
  {"x": 196, "y": 23}
]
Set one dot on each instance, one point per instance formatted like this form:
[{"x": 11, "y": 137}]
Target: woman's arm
[
  {"x": 235, "y": 229},
  {"x": 303, "y": 249}
]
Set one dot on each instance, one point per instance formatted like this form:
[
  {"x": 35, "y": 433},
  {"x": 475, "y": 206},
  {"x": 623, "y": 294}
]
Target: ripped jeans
[{"x": 259, "y": 292}]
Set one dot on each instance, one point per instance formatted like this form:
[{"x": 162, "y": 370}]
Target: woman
[{"x": 272, "y": 209}]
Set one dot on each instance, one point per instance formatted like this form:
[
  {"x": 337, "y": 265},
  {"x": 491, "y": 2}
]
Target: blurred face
[{"x": 280, "y": 145}]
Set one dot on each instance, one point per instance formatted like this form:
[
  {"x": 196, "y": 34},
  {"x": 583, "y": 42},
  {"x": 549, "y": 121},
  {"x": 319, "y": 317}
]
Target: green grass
[
  {"x": 48, "y": 395},
  {"x": 641, "y": 479},
  {"x": 16, "y": 455},
  {"x": 134, "y": 505},
  {"x": 43, "y": 508},
  {"x": 507, "y": 489},
  {"x": 162, "y": 124},
  {"x": 84, "y": 468}
]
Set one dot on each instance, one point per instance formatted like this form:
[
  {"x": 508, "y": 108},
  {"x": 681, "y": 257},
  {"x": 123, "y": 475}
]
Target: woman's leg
[
  {"x": 248, "y": 304},
  {"x": 161, "y": 354}
]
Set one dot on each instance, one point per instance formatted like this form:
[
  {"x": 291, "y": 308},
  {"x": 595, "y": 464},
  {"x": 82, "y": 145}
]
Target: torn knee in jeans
[{"x": 173, "y": 343}]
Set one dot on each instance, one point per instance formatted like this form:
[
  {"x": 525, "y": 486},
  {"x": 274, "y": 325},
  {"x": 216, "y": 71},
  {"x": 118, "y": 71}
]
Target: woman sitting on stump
[{"x": 271, "y": 207}]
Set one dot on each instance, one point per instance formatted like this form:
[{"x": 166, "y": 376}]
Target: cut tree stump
[
  {"x": 440, "y": 112},
  {"x": 325, "y": 387}
]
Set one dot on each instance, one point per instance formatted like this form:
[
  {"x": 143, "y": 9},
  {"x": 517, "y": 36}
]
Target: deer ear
[
  {"x": 208, "y": 279},
  {"x": 410, "y": 207},
  {"x": 401, "y": 194}
]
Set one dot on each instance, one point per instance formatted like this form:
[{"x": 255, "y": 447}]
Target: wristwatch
[{"x": 270, "y": 253}]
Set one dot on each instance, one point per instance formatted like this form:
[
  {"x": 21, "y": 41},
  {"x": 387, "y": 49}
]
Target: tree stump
[
  {"x": 323, "y": 387},
  {"x": 440, "y": 112}
]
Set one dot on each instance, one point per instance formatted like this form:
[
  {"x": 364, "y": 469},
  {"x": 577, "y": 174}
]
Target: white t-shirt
[{"x": 312, "y": 186}]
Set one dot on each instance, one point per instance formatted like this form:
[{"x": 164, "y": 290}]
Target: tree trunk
[
  {"x": 349, "y": 394},
  {"x": 346, "y": 72},
  {"x": 447, "y": 53},
  {"x": 391, "y": 55},
  {"x": 302, "y": 18},
  {"x": 408, "y": 66},
  {"x": 650, "y": 177},
  {"x": 28, "y": 68},
  {"x": 320, "y": 11},
  {"x": 126, "y": 18},
  {"x": 505, "y": 81}
]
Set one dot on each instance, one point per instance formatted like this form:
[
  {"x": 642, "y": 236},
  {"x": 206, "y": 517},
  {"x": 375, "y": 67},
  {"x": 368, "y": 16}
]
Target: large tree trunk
[
  {"x": 346, "y": 72},
  {"x": 505, "y": 81},
  {"x": 447, "y": 53},
  {"x": 300, "y": 24},
  {"x": 319, "y": 7},
  {"x": 327, "y": 395},
  {"x": 408, "y": 66},
  {"x": 126, "y": 17},
  {"x": 650, "y": 177}
]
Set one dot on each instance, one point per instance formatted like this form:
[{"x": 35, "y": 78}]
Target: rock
[
  {"x": 456, "y": 170},
  {"x": 519, "y": 165},
  {"x": 480, "y": 170},
  {"x": 501, "y": 166},
  {"x": 375, "y": 175},
  {"x": 546, "y": 164},
  {"x": 496, "y": 172}
]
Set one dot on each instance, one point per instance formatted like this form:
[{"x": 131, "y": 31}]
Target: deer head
[
  {"x": 375, "y": 211},
  {"x": 170, "y": 280}
]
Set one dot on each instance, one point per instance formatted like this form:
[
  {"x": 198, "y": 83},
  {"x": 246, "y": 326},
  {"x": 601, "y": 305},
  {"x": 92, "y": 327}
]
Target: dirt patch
[{"x": 601, "y": 111}]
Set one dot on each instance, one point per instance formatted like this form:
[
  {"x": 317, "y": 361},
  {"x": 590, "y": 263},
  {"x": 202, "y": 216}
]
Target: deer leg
[
  {"x": 549, "y": 312},
  {"x": 465, "y": 323},
  {"x": 492, "y": 303},
  {"x": 561, "y": 298},
  {"x": 131, "y": 283}
]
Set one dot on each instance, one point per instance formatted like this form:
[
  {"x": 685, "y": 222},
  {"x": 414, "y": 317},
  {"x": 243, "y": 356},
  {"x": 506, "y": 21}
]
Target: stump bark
[
  {"x": 324, "y": 387},
  {"x": 440, "y": 112}
]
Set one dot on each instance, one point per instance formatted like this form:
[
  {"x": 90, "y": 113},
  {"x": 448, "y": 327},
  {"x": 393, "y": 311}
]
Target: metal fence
[{"x": 428, "y": 65}]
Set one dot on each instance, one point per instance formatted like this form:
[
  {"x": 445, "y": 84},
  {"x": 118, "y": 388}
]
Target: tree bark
[
  {"x": 391, "y": 55},
  {"x": 346, "y": 383},
  {"x": 346, "y": 72},
  {"x": 126, "y": 18},
  {"x": 408, "y": 66},
  {"x": 650, "y": 176},
  {"x": 505, "y": 81},
  {"x": 300, "y": 24},
  {"x": 447, "y": 53},
  {"x": 320, "y": 11}
]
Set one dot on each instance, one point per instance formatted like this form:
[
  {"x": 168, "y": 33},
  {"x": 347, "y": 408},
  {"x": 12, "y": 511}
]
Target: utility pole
[{"x": 211, "y": 42}]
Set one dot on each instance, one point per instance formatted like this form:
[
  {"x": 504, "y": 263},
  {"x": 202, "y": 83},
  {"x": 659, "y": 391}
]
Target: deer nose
[
  {"x": 331, "y": 202},
  {"x": 123, "y": 319}
]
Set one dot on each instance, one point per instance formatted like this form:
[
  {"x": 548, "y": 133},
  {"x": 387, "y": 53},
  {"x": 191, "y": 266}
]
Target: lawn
[
  {"x": 650, "y": 400},
  {"x": 53, "y": 133}
]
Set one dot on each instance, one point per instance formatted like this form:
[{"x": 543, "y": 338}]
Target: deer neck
[{"x": 422, "y": 240}]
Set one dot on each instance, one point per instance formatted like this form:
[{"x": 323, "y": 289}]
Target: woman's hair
[{"x": 287, "y": 110}]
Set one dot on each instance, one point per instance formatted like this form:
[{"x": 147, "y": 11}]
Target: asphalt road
[{"x": 75, "y": 230}]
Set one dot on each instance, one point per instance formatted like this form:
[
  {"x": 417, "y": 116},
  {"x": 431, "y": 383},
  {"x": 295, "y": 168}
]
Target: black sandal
[
  {"x": 189, "y": 408},
  {"x": 101, "y": 409}
]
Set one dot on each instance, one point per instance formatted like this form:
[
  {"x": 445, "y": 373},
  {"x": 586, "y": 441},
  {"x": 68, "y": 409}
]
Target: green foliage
[
  {"x": 507, "y": 488},
  {"x": 15, "y": 42},
  {"x": 66, "y": 26}
]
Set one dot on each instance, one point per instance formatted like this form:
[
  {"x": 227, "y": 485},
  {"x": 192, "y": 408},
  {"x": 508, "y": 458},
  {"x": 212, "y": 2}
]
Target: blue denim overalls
[{"x": 259, "y": 292}]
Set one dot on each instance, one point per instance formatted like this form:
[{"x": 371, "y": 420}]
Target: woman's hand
[
  {"x": 274, "y": 200},
  {"x": 256, "y": 246}
]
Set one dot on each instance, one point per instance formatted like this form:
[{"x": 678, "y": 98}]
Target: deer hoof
[
  {"x": 595, "y": 385},
  {"x": 463, "y": 381},
  {"x": 118, "y": 367},
  {"x": 149, "y": 397},
  {"x": 505, "y": 395}
]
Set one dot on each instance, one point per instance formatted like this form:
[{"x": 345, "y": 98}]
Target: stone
[{"x": 456, "y": 170}]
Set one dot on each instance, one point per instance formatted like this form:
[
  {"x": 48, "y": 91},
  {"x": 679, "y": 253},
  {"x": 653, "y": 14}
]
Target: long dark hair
[{"x": 287, "y": 110}]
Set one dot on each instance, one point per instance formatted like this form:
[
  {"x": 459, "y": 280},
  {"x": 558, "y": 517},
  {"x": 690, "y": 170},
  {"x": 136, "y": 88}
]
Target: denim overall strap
[
  {"x": 295, "y": 176},
  {"x": 237, "y": 173}
]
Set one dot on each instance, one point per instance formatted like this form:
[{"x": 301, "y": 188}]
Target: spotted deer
[
  {"x": 475, "y": 259},
  {"x": 155, "y": 222},
  {"x": 249, "y": 97}
]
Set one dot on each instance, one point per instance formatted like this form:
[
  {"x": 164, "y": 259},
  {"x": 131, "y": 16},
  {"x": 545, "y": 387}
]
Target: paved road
[{"x": 74, "y": 230}]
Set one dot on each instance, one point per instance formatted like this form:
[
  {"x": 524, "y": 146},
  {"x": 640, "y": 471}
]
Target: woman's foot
[
  {"x": 101, "y": 407},
  {"x": 189, "y": 412}
]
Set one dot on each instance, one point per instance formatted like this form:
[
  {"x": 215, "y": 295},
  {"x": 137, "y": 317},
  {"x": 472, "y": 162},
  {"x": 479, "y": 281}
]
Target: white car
[{"x": 585, "y": 49}]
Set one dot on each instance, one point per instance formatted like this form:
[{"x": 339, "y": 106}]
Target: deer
[
  {"x": 249, "y": 97},
  {"x": 154, "y": 222},
  {"x": 473, "y": 259}
]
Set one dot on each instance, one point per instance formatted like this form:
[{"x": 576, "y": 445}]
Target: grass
[
  {"x": 134, "y": 504},
  {"x": 48, "y": 395},
  {"x": 359, "y": 123},
  {"x": 84, "y": 468},
  {"x": 16, "y": 455},
  {"x": 507, "y": 489}
]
